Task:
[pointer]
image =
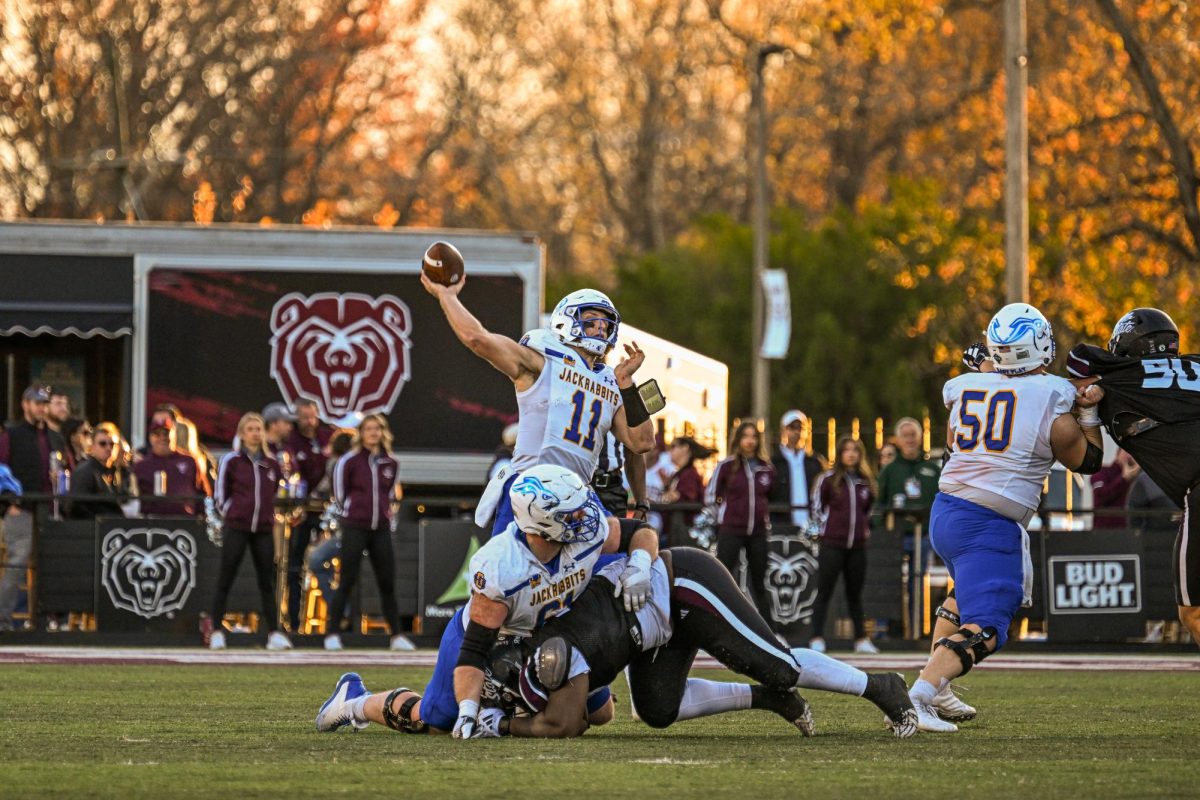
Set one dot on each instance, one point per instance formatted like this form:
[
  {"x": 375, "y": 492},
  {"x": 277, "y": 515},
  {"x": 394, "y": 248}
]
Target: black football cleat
[
  {"x": 789, "y": 705},
  {"x": 890, "y": 693}
]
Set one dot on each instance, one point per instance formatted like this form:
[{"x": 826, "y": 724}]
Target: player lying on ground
[
  {"x": 694, "y": 604},
  {"x": 520, "y": 579},
  {"x": 1007, "y": 427}
]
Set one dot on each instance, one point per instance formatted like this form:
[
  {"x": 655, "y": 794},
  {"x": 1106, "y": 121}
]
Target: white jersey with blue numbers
[
  {"x": 507, "y": 571},
  {"x": 566, "y": 414},
  {"x": 1000, "y": 432}
]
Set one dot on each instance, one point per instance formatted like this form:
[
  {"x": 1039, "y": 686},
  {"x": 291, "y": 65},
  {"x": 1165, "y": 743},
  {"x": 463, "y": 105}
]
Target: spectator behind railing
[
  {"x": 99, "y": 479},
  {"x": 842, "y": 502},
  {"x": 795, "y": 473},
  {"x": 78, "y": 436},
  {"x": 167, "y": 472},
  {"x": 1146, "y": 495},
  {"x": 739, "y": 489},
  {"x": 685, "y": 486},
  {"x": 1110, "y": 488}
]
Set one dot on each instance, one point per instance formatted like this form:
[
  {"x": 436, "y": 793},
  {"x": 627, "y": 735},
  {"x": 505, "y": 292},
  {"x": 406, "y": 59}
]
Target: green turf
[{"x": 236, "y": 731}]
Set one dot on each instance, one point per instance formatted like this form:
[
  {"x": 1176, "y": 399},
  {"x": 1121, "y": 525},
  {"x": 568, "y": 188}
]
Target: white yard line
[{"x": 426, "y": 658}]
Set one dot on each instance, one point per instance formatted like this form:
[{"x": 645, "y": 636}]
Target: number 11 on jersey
[{"x": 572, "y": 434}]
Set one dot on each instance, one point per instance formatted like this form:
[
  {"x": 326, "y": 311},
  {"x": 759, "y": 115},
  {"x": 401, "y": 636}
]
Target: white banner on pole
[{"x": 778, "y": 328}]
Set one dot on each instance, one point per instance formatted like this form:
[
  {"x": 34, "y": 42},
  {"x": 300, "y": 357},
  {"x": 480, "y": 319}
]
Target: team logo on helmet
[
  {"x": 347, "y": 352},
  {"x": 148, "y": 571},
  {"x": 533, "y": 487},
  {"x": 1126, "y": 324}
]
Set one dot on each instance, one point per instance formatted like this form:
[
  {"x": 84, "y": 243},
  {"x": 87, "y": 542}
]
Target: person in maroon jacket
[
  {"x": 166, "y": 472},
  {"x": 365, "y": 481},
  {"x": 308, "y": 442},
  {"x": 247, "y": 480},
  {"x": 842, "y": 501},
  {"x": 739, "y": 488},
  {"x": 1110, "y": 488},
  {"x": 685, "y": 486}
]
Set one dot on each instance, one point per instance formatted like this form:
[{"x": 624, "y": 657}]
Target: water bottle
[{"x": 63, "y": 484}]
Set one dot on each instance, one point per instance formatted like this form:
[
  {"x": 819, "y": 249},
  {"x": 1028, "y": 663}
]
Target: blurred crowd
[{"x": 284, "y": 466}]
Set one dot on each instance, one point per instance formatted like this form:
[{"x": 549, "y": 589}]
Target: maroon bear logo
[{"x": 347, "y": 352}]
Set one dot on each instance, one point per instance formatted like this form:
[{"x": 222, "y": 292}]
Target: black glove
[{"x": 974, "y": 355}]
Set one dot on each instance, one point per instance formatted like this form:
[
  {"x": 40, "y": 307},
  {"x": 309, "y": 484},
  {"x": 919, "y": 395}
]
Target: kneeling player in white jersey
[
  {"x": 1006, "y": 429},
  {"x": 567, "y": 397},
  {"x": 521, "y": 578}
]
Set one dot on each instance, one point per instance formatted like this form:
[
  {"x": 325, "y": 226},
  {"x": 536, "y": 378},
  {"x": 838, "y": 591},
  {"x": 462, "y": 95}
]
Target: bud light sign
[{"x": 1095, "y": 585}]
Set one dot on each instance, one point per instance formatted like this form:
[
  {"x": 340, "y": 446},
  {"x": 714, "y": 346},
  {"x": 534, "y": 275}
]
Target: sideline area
[{"x": 426, "y": 658}]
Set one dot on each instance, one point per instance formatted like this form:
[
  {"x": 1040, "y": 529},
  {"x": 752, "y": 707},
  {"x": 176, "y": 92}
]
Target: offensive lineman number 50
[{"x": 1000, "y": 407}]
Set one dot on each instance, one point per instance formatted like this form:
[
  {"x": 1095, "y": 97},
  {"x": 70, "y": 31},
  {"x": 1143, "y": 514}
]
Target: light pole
[
  {"x": 1016, "y": 147},
  {"x": 760, "y": 373}
]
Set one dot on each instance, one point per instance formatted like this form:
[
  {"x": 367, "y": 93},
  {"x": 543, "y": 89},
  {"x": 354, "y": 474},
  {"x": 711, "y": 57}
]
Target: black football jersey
[
  {"x": 600, "y": 628},
  {"x": 1165, "y": 389}
]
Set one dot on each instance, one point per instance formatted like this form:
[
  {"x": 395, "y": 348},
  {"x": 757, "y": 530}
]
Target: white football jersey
[
  {"x": 567, "y": 413},
  {"x": 507, "y": 571},
  {"x": 1000, "y": 432}
]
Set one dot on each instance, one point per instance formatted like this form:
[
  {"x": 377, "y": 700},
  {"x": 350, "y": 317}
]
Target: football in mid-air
[{"x": 443, "y": 263}]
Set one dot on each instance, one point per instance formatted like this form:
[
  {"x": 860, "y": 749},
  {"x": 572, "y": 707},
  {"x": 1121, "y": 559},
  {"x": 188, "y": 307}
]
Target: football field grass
[{"x": 127, "y": 731}]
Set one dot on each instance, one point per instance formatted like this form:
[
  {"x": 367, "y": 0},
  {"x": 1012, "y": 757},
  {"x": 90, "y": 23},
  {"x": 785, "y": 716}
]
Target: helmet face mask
[
  {"x": 1144, "y": 332},
  {"x": 1020, "y": 339},
  {"x": 554, "y": 503},
  {"x": 568, "y": 323}
]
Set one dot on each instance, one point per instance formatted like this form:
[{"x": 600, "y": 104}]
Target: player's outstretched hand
[
  {"x": 634, "y": 583},
  {"x": 630, "y": 363},
  {"x": 489, "y": 724},
  {"x": 468, "y": 713},
  {"x": 438, "y": 291}
]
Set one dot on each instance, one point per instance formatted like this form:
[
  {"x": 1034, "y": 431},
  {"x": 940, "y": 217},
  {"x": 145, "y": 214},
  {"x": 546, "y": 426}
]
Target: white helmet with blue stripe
[
  {"x": 1020, "y": 339},
  {"x": 553, "y": 502},
  {"x": 567, "y": 323}
]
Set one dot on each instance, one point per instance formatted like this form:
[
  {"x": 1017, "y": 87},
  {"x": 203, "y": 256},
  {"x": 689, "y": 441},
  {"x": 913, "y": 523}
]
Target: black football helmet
[{"x": 1144, "y": 332}]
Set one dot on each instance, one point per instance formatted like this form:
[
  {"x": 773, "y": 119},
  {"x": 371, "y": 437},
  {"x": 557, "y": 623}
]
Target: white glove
[
  {"x": 634, "y": 583},
  {"x": 468, "y": 711},
  {"x": 489, "y": 724}
]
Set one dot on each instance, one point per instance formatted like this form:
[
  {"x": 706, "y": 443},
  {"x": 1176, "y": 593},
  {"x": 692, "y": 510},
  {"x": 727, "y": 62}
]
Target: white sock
[
  {"x": 704, "y": 698},
  {"x": 356, "y": 708},
  {"x": 923, "y": 690},
  {"x": 819, "y": 671}
]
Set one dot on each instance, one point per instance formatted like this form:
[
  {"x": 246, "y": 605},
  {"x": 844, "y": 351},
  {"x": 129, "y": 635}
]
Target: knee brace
[
  {"x": 402, "y": 721},
  {"x": 975, "y": 644}
]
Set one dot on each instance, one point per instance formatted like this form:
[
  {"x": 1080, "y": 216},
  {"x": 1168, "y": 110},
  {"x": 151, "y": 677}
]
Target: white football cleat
[
  {"x": 928, "y": 720},
  {"x": 335, "y": 713},
  {"x": 866, "y": 647},
  {"x": 949, "y": 707},
  {"x": 401, "y": 642},
  {"x": 217, "y": 642},
  {"x": 278, "y": 640},
  {"x": 333, "y": 642}
]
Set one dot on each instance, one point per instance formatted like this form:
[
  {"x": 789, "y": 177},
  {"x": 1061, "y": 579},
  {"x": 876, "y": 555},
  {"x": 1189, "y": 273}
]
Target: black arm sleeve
[
  {"x": 1093, "y": 459},
  {"x": 628, "y": 528},
  {"x": 476, "y": 645}
]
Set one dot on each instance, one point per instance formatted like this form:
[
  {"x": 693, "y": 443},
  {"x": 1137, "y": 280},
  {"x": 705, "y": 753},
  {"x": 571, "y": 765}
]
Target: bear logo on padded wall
[
  {"x": 347, "y": 352},
  {"x": 148, "y": 571}
]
